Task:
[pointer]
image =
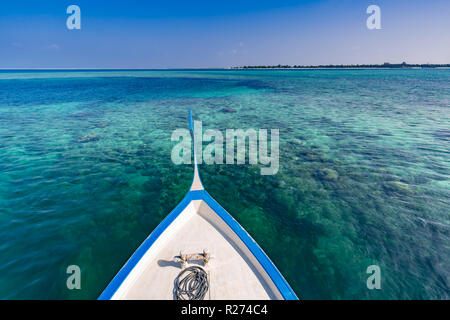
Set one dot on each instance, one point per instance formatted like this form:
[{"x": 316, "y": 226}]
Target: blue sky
[{"x": 177, "y": 34}]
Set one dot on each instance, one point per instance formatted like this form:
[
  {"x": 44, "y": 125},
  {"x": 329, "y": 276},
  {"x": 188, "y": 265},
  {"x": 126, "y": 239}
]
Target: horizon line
[
  {"x": 83, "y": 68},
  {"x": 279, "y": 66}
]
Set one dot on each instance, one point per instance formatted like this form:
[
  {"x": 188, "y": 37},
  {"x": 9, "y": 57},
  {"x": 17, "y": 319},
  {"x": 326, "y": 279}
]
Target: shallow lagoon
[{"x": 86, "y": 174}]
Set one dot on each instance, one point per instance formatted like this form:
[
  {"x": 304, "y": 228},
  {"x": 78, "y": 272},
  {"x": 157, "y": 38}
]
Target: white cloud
[{"x": 53, "y": 46}]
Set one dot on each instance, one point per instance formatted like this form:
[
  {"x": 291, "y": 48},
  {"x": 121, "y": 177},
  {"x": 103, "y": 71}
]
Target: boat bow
[{"x": 240, "y": 268}]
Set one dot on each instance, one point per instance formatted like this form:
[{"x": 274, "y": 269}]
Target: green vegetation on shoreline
[{"x": 352, "y": 66}]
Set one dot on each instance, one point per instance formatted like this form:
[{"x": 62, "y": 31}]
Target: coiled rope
[{"x": 191, "y": 284}]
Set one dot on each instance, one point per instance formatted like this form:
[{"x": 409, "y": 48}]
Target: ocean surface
[{"x": 86, "y": 174}]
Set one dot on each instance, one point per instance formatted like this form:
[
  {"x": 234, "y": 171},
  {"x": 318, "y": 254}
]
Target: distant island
[{"x": 351, "y": 66}]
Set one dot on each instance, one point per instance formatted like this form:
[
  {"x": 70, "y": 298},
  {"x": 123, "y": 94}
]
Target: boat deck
[{"x": 234, "y": 273}]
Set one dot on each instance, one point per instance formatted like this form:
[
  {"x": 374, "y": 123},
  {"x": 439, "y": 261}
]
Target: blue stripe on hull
[
  {"x": 279, "y": 281},
  {"x": 277, "y": 278}
]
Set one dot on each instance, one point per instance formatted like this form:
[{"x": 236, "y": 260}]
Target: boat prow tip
[{"x": 196, "y": 181}]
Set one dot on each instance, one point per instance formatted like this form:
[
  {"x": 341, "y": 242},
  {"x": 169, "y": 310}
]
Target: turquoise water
[{"x": 86, "y": 174}]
